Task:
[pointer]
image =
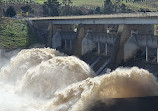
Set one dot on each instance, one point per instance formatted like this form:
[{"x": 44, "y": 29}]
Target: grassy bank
[
  {"x": 14, "y": 34},
  {"x": 94, "y": 3},
  {"x": 150, "y": 5}
]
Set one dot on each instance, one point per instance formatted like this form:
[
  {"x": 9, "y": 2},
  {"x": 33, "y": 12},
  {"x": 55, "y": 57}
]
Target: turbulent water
[{"x": 47, "y": 80}]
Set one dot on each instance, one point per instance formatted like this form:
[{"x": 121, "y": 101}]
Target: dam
[
  {"x": 102, "y": 41},
  {"x": 44, "y": 79}
]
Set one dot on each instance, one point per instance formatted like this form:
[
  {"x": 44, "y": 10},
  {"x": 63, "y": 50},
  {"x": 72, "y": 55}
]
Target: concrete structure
[
  {"x": 64, "y": 41},
  {"x": 81, "y": 33},
  {"x": 101, "y": 35},
  {"x": 145, "y": 43},
  {"x": 97, "y": 40},
  {"x": 121, "y": 18}
]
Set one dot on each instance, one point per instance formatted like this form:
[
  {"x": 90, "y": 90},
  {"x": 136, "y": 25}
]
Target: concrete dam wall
[{"x": 98, "y": 45}]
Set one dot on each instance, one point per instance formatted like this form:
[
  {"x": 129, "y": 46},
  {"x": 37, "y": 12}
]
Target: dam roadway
[{"x": 121, "y": 18}]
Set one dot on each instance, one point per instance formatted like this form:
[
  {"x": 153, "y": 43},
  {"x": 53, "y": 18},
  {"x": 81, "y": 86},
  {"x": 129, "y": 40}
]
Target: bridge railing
[{"x": 118, "y": 15}]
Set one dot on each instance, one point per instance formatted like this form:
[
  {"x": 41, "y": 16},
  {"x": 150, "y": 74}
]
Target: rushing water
[{"x": 47, "y": 80}]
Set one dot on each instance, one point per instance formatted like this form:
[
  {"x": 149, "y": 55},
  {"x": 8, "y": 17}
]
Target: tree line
[{"x": 54, "y": 8}]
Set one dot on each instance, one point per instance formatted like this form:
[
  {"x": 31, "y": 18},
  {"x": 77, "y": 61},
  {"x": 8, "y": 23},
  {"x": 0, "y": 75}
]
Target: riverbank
[{"x": 15, "y": 34}]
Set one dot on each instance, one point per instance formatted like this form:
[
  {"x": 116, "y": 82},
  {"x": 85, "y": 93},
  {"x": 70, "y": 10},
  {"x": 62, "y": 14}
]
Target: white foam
[
  {"x": 32, "y": 77},
  {"x": 46, "y": 80},
  {"x": 26, "y": 59},
  {"x": 122, "y": 83},
  {"x": 54, "y": 74}
]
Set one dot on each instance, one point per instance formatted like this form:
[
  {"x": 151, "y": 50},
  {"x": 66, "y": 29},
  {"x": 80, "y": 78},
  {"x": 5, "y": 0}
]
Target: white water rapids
[{"x": 47, "y": 80}]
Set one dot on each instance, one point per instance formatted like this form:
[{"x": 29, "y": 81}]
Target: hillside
[
  {"x": 148, "y": 4},
  {"x": 151, "y": 5},
  {"x": 15, "y": 34}
]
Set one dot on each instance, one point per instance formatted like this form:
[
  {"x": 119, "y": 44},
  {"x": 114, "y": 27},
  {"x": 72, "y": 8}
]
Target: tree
[
  {"x": 108, "y": 7},
  {"x": 27, "y": 8},
  {"x": 77, "y": 12},
  {"x": 123, "y": 7},
  {"x": 116, "y": 6},
  {"x": 0, "y": 8},
  {"x": 144, "y": 10},
  {"x": 97, "y": 10},
  {"x": 51, "y": 8},
  {"x": 10, "y": 11},
  {"x": 67, "y": 2},
  {"x": 66, "y": 8},
  {"x": 120, "y": 7}
]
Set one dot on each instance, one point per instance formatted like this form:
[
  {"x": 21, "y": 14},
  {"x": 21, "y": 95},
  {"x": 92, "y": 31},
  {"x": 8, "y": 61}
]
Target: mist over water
[
  {"x": 47, "y": 80},
  {"x": 6, "y": 55},
  {"x": 35, "y": 74}
]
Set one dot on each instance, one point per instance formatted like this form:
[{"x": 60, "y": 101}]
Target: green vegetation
[
  {"x": 14, "y": 34},
  {"x": 51, "y": 8},
  {"x": 27, "y": 8},
  {"x": 108, "y": 6},
  {"x": 135, "y": 5},
  {"x": 87, "y": 3},
  {"x": 40, "y": 1},
  {"x": 0, "y": 8},
  {"x": 10, "y": 12},
  {"x": 138, "y": 6}
]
